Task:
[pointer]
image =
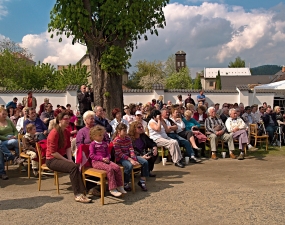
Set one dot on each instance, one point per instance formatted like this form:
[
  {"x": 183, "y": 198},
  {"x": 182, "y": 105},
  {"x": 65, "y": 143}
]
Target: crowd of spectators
[{"x": 132, "y": 137}]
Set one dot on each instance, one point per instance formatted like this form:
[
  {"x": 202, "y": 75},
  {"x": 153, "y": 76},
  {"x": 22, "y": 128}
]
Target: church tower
[{"x": 180, "y": 60}]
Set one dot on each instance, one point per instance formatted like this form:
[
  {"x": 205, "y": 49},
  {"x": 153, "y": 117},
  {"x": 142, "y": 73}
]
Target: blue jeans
[
  {"x": 9, "y": 144},
  {"x": 2, "y": 164},
  {"x": 270, "y": 130},
  {"x": 128, "y": 168},
  {"x": 182, "y": 142}
]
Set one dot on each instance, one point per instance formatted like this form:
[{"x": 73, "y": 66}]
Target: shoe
[
  {"x": 182, "y": 162},
  {"x": 82, "y": 198},
  {"x": 179, "y": 164},
  {"x": 127, "y": 187},
  {"x": 240, "y": 157},
  {"x": 4, "y": 177},
  {"x": 23, "y": 169},
  {"x": 232, "y": 156},
  {"x": 251, "y": 148},
  {"x": 17, "y": 160},
  {"x": 142, "y": 185},
  {"x": 122, "y": 190},
  {"x": 152, "y": 175},
  {"x": 214, "y": 156},
  {"x": 115, "y": 193},
  {"x": 194, "y": 160},
  {"x": 35, "y": 172},
  {"x": 197, "y": 149},
  {"x": 94, "y": 192}
]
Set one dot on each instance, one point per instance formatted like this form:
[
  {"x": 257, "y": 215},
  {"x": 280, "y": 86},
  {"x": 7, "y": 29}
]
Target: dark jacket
[
  {"x": 104, "y": 123},
  {"x": 148, "y": 143},
  {"x": 189, "y": 100},
  {"x": 84, "y": 102},
  {"x": 224, "y": 118},
  {"x": 266, "y": 119}
]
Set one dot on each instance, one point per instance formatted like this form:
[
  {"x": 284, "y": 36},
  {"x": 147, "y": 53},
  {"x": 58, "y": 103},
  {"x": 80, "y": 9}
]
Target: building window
[
  {"x": 211, "y": 84},
  {"x": 182, "y": 64},
  {"x": 178, "y": 64}
]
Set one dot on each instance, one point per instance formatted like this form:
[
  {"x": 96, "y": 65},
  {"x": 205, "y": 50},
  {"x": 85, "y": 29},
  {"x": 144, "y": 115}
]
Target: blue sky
[{"x": 212, "y": 32}]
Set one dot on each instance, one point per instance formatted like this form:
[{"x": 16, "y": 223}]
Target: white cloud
[
  {"x": 211, "y": 34},
  {"x": 3, "y": 9},
  {"x": 214, "y": 34},
  {"x": 48, "y": 50}
]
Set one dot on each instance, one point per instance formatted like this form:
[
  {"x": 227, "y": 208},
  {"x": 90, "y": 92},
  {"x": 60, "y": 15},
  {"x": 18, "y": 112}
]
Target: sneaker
[
  {"x": 36, "y": 172},
  {"x": 240, "y": 157},
  {"x": 195, "y": 160},
  {"x": 251, "y": 148},
  {"x": 115, "y": 193},
  {"x": 127, "y": 187},
  {"x": 23, "y": 168},
  {"x": 122, "y": 190},
  {"x": 82, "y": 198},
  {"x": 142, "y": 185}
]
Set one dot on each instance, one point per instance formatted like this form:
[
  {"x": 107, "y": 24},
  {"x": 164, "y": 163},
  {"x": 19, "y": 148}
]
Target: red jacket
[{"x": 196, "y": 116}]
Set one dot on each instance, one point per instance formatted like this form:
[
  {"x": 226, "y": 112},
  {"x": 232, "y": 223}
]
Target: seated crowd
[{"x": 131, "y": 138}]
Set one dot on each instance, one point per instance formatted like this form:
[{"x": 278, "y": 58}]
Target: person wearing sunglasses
[{"x": 143, "y": 145}]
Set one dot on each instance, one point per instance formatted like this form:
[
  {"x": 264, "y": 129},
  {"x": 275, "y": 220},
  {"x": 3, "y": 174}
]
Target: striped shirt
[
  {"x": 211, "y": 122},
  {"x": 124, "y": 148}
]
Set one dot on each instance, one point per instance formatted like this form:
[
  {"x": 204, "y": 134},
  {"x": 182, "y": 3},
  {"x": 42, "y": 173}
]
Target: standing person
[
  {"x": 100, "y": 157},
  {"x": 189, "y": 100},
  {"x": 43, "y": 106},
  {"x": 160, "y": 102},
  {"x": 179, "y": 100},
  {"x": 201, "y": 97},
  {"x": 12, "y": 104},
  {"x": 59, "y": 157},
  {"x": 84, "y": 100},
  {"x": 30, "y": 101},
  {"x": 126, "y": 156}
]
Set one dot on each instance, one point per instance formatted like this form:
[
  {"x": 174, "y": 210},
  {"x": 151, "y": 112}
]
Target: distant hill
[{"x": 265, "y": 70}]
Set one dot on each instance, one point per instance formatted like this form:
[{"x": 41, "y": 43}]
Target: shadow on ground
[{"x": 28, "y": 203}]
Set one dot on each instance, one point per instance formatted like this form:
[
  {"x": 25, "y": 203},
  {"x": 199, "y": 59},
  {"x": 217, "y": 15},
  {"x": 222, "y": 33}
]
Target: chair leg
[
  {"x": 133, "y": 181},
  {"x": 162, "y": 152},
  {"x": 267, "y": 144},
  {"x": 102, "y": 182},
  {"x": 40, "y": 178},
  {"x": 122, "y": 171},
  {"x": 29, "y": 168},
  {"x": 56, "y": 180},
  {"x": 255, "y": 140}
]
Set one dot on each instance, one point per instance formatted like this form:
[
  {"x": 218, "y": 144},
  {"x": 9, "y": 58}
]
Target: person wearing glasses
[
  {"x": 139, "y": 117},
  {"x": 143, "y": 145}
]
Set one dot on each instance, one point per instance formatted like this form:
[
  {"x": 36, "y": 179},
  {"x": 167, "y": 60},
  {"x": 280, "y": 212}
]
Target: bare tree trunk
[{"x": 107, "y": 88}]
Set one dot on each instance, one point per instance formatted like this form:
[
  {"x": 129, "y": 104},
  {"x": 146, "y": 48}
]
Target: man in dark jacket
[
  {"x": 189, "y": 100},
  {"x": 99, "y": 120},
  {"x": 270, "y": 123},
  {"x": 84, "y": 100}
]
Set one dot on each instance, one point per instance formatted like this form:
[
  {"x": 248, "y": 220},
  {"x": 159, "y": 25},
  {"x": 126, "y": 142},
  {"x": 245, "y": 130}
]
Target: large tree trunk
[{"x": 107, "y": 88}]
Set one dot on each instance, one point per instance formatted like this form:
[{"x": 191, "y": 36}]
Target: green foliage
[
  {"x": 179, "y": 80},
  {"x": 110, "y": 29},
  {"x": 72, "y": 75},
  {"x": 218, "y": 81},
  {"x": 197, "y": 83},
  {"x": 169, "y": 66},
  {"x": 238, "y": 63},
  {"x": 265, "y": 70},
  {"x": 133, "y": 81}
]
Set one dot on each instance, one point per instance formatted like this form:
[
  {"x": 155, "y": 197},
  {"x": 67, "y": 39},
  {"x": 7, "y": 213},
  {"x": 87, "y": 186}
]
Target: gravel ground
[{"x": 225, "y": 191}]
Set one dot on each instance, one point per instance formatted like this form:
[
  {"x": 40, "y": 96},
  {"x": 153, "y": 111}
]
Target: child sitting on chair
[
  {"x": 29, "y": 146},
  {"x": 101, "y": 160}
]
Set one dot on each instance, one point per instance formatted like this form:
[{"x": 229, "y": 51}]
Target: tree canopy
[
  {"x": 218, "y": 81},
  {"x": 110, "y": 30},
  {"x": 238, "y": 63}
]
